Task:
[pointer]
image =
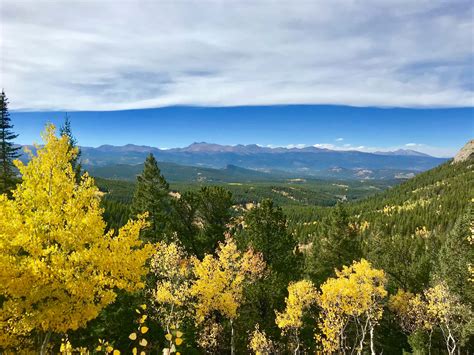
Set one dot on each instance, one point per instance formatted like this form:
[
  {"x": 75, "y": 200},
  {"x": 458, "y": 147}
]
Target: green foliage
[
  {"x": 456, "y": 256},
  {"x": 408, "y": 260},
  {"x": 184, "y": 222},
  {"x": 337, "y": 245},
  {"x": 66, "y": 130},
  {"x": 214, "y": 213},
  {"x": 265, "y": 230},
  {"x": 8, "y": 151},
  {"x": 152, "y": 196}
]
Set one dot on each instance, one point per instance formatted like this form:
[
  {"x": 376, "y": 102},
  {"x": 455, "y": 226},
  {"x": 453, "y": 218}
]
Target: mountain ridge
[{"x": 245, "y": 148}]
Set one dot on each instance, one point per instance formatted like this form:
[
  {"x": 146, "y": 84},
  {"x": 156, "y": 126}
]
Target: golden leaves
[
  {"x": 356, "y": 292},
  {"x": 53, "y": 241},
  {"x": 301, "y": 295},
  {"x": 220, "y": 280}
]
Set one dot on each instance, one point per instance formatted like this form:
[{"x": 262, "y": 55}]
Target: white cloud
[
  {"x": 104, "y": 55},
  {"x": 325, "y": 146},
  {"x": 339, "y": 139},
  {"x": 298, "y": 146}
]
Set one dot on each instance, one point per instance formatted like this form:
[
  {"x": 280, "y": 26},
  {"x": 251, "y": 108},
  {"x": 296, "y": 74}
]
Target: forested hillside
[{"x": 257, "y": 267}]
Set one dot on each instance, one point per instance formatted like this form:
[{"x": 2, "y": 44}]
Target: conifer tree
[
  {"x": 456, "y": 257},
  {"x": 8, "y": 152},
  {"x": 66, "y": 130},
  {"x": 338, "y": 245},
  {"x": 214, "y": 213},
  {"x": 266, "y": 232},
  {"x": 152, "y": 196}
]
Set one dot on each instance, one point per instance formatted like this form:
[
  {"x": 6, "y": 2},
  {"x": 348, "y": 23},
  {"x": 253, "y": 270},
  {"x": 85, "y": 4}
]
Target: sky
[
  {"x": 109, "y": 56},
  {"x": 438, "y": 132}
]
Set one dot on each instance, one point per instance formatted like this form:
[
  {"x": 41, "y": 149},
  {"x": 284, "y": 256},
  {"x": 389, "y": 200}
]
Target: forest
[{"x": 95, "y": 266}]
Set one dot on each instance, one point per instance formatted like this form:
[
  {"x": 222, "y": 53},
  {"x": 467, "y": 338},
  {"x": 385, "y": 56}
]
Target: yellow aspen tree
[
  {"x": 220, "y": 281},
  {"x": 301, "y": 295},
  {"x": 171, "y": 297},
  {"x": 259, "y": 343},
  {"x": 411, "y": 311},
  {"x": 354, "y": 296},
  {"x": 454, "y": 318},
  {"x": 59, "y": 268}
]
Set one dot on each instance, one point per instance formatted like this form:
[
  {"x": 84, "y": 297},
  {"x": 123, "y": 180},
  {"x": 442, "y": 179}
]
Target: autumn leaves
[{"x": 59, "y": 266}]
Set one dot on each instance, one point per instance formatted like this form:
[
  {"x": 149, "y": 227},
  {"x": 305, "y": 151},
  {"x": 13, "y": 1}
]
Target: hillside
[
  {"x": 181, "y": 173},
  {"x": 432, "y": 199}
]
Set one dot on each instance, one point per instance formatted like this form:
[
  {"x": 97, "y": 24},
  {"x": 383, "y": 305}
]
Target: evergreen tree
[
  {"x": 266, "y": 232},
  {"x": 152, "y": 196},
  {"x": 213, "y": 215},
  {"x": 184, "y": 222},
  {"x": 8, "y": 151},
  {"x": 456, "y": 257},
  {"x": 338, "y": 245},
  {"x": 65, "y": 130}
]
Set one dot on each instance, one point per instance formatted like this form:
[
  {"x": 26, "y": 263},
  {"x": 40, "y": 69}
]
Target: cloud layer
[{"x": 111, "y": 55}]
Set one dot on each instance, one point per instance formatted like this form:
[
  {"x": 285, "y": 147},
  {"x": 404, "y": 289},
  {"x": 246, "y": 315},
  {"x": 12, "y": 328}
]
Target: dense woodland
[{"x": 197, "y": 270}]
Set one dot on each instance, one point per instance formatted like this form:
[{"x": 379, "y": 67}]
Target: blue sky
[{"x": 439, "y": 132}]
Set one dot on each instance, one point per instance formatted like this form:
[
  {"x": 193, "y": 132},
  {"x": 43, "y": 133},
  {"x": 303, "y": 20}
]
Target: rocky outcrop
[{"x": 466, "y": 152}]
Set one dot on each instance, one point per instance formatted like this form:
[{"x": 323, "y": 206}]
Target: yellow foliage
[
  {"x": 220, "y": 280},
  {"x": 260, "y": 344},
  {"x": 58, "y": 266},
  {"x": 301, "y": 295},
  {"x": 411, "y": 311},
  {"x": 355, "y": 294},
  {"x": 171, "y": 296}
]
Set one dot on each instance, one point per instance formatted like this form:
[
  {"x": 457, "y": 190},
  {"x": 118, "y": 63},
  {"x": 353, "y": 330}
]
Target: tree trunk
[
  {"x": 372, "y": 349},
  {"x": 429, "y": 342},
  {"x": 297, "y": 338},
  {"x": 232, "y": 346},
  {"x": 44, "y": 345}
]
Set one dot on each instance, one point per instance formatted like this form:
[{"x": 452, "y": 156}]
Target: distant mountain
[
  {"x": 404, "y": 152},
  {"x": 297, "y": 162}
]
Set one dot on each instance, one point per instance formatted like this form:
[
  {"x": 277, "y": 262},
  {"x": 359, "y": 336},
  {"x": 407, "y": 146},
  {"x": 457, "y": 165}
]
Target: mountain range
[
  {"x": 283, "y": 162},
  {"x": 255, "y": 162}
]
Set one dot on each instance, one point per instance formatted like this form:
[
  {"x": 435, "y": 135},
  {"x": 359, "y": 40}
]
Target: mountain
[
  {"x": 298, "y": 162},
  {"x": 404, "y": 152}
]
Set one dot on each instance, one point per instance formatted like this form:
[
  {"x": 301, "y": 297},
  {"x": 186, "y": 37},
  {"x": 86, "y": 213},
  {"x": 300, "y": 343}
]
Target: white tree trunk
[
  {"x": 232, "y": 346},
  {"x": 44, "y": 345}
]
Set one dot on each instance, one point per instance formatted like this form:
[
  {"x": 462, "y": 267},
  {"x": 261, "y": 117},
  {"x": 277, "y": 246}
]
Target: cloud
[
  {"x": 95, "y": 55},
  {"x": 339, "y": 139}
]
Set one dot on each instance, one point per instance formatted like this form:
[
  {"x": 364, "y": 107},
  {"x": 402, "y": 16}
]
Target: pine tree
[
  {"x": 8, "y": 152},
  {"x": 65, "y": 130},
  {"x": 338, "y": 245},
  {"x": 214, "y": 213},
  {"x": 266, "y": 232},
  {"x": 456, "y": 256},
  {"x": 152, "y": 196}
]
